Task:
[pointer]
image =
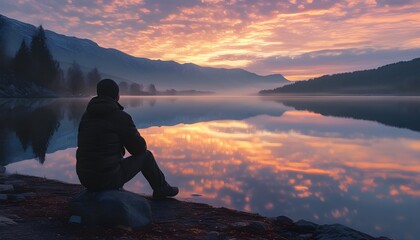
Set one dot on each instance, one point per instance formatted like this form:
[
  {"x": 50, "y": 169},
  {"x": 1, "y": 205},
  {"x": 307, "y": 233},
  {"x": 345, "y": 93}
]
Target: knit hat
[{"x": 107, "y": 87}]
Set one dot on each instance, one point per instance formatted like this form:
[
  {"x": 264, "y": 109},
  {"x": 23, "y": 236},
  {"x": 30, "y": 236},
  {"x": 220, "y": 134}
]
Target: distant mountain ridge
[
  {"x": 402, "y": 78},
  {"x": 123, "y": 67}
]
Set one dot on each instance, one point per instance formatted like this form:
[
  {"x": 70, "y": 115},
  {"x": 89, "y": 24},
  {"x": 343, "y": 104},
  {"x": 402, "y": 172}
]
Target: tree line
[
  {"x": 137, "y": 89},
  {"x": 33, "y": 63}
]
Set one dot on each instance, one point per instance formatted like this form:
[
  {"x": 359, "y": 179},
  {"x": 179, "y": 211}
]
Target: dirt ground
[{"x": 39, "y": 209}]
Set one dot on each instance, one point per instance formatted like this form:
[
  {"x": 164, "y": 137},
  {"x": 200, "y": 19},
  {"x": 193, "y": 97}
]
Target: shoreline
[{"x": 34, "y": 207}]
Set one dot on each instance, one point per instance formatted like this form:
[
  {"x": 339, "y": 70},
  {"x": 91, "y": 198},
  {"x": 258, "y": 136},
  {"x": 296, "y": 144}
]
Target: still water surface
[{"x": 348, "y": 160}]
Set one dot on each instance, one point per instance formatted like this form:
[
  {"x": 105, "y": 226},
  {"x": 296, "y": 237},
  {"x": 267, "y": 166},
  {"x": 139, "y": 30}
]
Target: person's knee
[{"x": 148, "y": 154}]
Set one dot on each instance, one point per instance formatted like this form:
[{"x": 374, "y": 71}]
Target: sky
[{"x": 300, "y": 39}]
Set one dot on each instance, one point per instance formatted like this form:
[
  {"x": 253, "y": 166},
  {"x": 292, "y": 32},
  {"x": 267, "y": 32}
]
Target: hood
[{"x": 102, "y": 105}]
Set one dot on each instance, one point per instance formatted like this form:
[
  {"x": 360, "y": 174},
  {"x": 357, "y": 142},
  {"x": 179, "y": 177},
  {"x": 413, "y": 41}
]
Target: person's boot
[{"x": 165, "y": 191}]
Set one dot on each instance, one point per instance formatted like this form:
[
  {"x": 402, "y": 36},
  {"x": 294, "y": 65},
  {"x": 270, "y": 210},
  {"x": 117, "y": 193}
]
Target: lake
[{"x": 348, "y": 160}]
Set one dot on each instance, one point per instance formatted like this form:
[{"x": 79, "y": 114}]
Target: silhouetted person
[{"x": 105, "y": 131}]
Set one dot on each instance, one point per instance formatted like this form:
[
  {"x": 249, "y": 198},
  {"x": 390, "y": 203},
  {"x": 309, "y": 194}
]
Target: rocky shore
[{"x": 38, "y": 208}]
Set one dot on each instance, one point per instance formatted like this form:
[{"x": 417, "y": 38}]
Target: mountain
[
  {"x": 399, "y": 112},
  {"x": 402, "y": 78},
  {"x": 123, "y": 67}
]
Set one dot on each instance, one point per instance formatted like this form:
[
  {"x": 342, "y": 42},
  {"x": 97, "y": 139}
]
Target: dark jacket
[{"x": 104, "y": 131}]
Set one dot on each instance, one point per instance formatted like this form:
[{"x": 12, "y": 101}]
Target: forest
[{"x": 33, "y": 72}]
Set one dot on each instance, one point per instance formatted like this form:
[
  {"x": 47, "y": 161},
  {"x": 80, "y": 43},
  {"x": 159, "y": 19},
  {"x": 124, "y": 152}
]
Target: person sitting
[{"x": 105, "y": 131}]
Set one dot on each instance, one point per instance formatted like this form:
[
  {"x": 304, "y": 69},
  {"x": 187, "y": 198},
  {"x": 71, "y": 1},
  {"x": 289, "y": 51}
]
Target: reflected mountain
[
  {"x": 169, "y": 111},
  {"x": 401, "y": 112},
  {"x": 31, "y": 128}
]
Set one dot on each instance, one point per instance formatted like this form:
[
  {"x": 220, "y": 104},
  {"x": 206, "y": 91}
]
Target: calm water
[{"x": 348, "y": 160}]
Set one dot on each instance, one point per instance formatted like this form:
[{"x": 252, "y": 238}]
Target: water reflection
[
  {"x": 300, "y": 164},
  {"x": 32, "y": 128},
  {"x": 402, "y": 112},
  {"x": 284, "y": 156},
  {"x": 369, "y": 182},
  {"x": 33, "y": 125}
]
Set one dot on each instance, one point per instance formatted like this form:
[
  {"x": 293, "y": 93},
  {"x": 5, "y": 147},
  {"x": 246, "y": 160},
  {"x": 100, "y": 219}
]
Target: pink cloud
[{"x": 247, "y": 34}]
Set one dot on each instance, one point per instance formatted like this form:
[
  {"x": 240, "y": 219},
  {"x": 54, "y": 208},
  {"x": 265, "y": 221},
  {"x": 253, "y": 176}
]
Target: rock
[
  {"x": 254, "y": 226},
  {"x": 3, "y": 196},
  {"x": 306, "y": 226},
  {"x": 15, "y": 182},
  {"x": 116, "y": 208},
  {"x": 257, "y": 227},
  {"x": 283, "y": 220},
  {"x": 240, "y": 224},
  {"x": 338, "y": 231},
  {"x": 16, "y": 197},
  {"x": 306, "y": 236},
  {"x": 4, "y": 221},
  {"x": 213, "y": 235},
  {"x": 6, "y": 188},
  {"x": 29, "y": 194},
  {"x": 75, "y": 219},
  {"x": 14, "y": 217}
]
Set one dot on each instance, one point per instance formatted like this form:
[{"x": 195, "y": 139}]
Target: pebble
[
  {"x": 258, "y": 226},
  {"x": 6, "y": 188},
  {"x": 75, "y": 219},
  {"x": 29, "y": 194},
  {"x": 240, "y": 224},
  {"x": 3, "y": 196},
  {"x": 255, "y": 226},
  {"x": 17, "y": 197},
  {"x": 213, "y": 235},
  {"x": 15, "y": 182},
  {"x": 4, "y": 221},
  {"x": 306, "y": 236}
]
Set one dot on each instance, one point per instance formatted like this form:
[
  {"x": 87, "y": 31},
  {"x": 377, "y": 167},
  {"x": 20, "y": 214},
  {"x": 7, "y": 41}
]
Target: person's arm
[{"x": 132, "y": 140}]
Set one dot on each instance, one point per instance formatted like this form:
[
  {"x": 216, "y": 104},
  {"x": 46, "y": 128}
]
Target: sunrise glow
[{"x": 297, "y": 38}]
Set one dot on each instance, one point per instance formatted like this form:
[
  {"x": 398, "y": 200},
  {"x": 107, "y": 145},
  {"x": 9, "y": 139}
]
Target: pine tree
[
  {"x": 45, "y": 68},
  {"x": 2, "y": 54},
  {"x": 75, "y": 79},
  {"x": 134, "y": 89},
  {"x": 152, "y": 89},
  {"x": 21, "y": 63},
  {"x": 93, "y": 77},
  {"x": 123, "y": 87}
]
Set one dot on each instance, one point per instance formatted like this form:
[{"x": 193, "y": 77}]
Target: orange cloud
[{"x": 210, "y": 32}]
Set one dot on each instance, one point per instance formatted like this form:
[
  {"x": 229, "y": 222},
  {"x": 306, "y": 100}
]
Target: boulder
[{"x": 115, "y": 208}]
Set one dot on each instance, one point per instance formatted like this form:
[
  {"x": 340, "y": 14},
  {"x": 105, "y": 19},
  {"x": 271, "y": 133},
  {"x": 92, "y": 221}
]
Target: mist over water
[{"x": 348, "y": 160}]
